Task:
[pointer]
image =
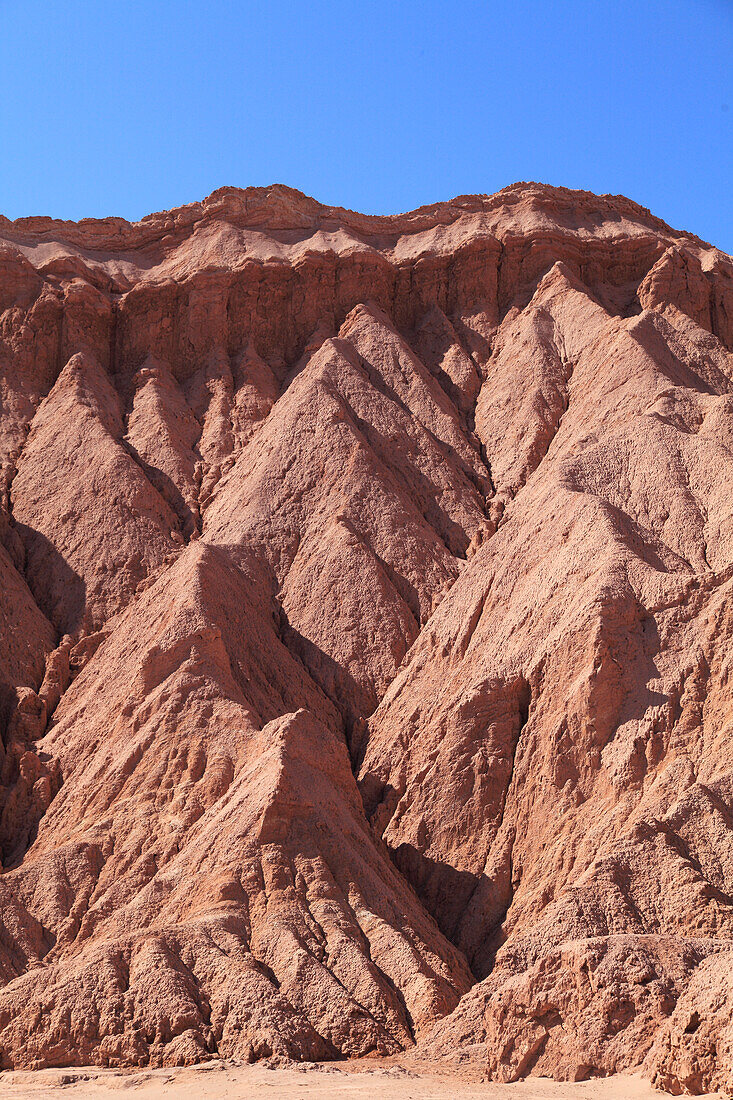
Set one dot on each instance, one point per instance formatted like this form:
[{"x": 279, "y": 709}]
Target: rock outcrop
[{"x": 366, "y": 597}]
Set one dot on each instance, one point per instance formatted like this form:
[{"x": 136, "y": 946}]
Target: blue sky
[{"x": 126, "y": 108}]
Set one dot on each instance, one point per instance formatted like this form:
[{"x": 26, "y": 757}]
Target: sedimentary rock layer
[{"x": 366, "y": 608}]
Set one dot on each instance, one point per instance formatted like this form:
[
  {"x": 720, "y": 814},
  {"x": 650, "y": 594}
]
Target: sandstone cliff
[{"x": 367, "y": 605}]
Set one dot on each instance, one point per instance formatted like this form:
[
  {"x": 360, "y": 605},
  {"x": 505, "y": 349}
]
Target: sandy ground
[{"x": 222, "y": 1081}]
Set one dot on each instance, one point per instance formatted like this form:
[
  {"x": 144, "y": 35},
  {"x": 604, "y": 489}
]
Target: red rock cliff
[{"x": 366, "y": 606}]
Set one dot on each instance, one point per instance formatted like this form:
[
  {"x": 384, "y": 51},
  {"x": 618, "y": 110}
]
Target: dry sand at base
[{"x": 221, "y": 1081}]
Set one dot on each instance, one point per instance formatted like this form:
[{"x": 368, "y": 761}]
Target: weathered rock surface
[{"x": 294, "y": 498}]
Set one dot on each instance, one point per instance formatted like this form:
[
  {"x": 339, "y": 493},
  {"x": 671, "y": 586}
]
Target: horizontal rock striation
[{"x": 366, "y": 604}]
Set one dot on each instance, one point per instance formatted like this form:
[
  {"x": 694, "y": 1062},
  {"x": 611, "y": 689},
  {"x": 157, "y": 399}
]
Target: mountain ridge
[{"x": 366, "y": 599}]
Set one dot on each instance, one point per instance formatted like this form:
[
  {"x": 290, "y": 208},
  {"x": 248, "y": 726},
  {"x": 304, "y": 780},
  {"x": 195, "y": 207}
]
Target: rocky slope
[{"x": 367, "y": 608}]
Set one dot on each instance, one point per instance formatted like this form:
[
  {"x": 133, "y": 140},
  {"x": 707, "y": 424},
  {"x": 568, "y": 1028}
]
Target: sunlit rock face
[{"x": 366, "y": 609}]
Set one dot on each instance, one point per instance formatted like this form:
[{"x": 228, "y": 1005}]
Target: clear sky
[{"x": 129, "y": 107}]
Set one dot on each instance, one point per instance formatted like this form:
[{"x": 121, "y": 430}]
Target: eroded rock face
[{"x": 366, "y": 619}]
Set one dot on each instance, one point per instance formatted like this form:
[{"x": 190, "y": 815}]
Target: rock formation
[{"x": 366, "y": 597}]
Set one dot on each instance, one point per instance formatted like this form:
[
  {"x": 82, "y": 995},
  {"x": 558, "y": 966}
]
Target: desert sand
[{"x": 219, "y": 1081}]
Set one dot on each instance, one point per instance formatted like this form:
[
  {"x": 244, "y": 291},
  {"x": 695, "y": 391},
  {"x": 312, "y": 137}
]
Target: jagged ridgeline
[{"x": 365, "y": 597}]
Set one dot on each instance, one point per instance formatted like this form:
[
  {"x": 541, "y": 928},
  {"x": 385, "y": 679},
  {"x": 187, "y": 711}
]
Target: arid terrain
[
  {"x": 366, "y": 605},
  {"x": 215, "y": 1080}
]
